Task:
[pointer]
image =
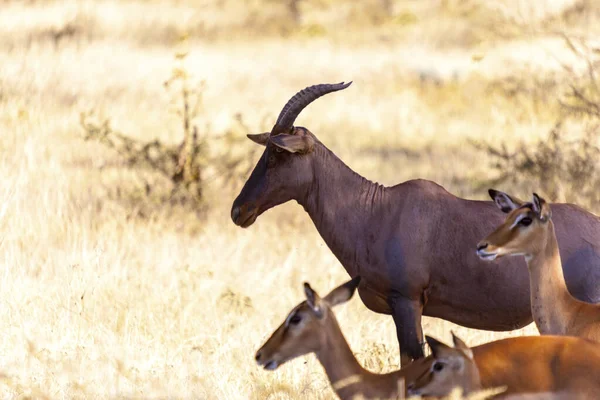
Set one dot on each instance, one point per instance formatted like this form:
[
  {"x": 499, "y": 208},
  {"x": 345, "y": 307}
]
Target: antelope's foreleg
[{"x": 407, "y": 317}]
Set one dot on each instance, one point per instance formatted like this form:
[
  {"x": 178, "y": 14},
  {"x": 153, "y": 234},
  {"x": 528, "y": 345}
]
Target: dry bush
[
  {"x": 583, "y": 97},
  {"x": 564, "y": 166},
  {"x": 185, "y": 166},
  {"x": 564, "y": 170}
]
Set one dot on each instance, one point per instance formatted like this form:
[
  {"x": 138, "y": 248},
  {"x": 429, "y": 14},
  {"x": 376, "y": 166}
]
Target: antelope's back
[{"x": 530, "y": 364}]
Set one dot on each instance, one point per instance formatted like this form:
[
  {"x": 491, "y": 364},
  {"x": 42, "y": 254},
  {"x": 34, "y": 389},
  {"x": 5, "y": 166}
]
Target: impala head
[
  {"x": 452, "y": 367},
  {"x": 285, "y": 168},
  {"x": 520, "y": 233},
  {"x": 305, "y": 328}
]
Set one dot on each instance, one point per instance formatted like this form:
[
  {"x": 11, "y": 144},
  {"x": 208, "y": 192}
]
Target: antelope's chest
[{"x": 373, "y": 299}]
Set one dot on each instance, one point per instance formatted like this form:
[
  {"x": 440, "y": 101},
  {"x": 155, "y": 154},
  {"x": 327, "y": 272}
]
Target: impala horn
[{"x": 299, "y": 101}]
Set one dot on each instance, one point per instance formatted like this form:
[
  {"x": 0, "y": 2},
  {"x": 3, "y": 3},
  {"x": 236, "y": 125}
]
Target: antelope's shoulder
[{"x": 423, "y": 187}]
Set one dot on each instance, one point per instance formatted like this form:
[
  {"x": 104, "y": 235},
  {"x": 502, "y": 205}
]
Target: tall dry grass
[{"x": 102, "y": 297}]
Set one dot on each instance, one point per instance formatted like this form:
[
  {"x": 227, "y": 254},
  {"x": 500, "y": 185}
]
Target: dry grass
[{"x": 99, "y": 300}]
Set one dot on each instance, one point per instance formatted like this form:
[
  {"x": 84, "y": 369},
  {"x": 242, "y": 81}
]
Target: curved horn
[{"x": 299, "y": 101}]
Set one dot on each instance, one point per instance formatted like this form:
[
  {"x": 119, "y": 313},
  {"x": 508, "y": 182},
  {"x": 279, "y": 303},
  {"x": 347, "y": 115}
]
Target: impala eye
[
  {"x": 438, "y": 366},
  {"x": 295, "y": 320},
  {"x": 525, "y": 221}
]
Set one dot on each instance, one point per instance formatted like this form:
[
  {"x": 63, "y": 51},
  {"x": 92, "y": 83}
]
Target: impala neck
[
  {"x": 343, "y": 370},
  {"x": 551, "y": 302},
  {"x": 340, "y": 203}
]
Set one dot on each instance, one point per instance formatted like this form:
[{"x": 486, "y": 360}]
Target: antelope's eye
[
  {"x": 295, "y": 320},
  {"x": 525, "y": 221},
  {"x": 278, "y": 149},
  {"x": 437, "y": 367}
]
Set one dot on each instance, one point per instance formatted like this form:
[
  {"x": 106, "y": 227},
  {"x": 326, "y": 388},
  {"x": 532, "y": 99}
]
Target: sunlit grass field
[{"x": 101, "y": 297}]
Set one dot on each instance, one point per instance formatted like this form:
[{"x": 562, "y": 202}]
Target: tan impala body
[
  {"x": 311, "y": 327},
  {"x": 529, "y": 231},
  {"x": 540, "y": 365},
  {"x": 529, "y": 367}
]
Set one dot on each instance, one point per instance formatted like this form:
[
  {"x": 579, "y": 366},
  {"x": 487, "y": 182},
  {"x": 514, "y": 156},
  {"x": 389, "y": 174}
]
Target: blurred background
[{"x": 122, "y": 147}]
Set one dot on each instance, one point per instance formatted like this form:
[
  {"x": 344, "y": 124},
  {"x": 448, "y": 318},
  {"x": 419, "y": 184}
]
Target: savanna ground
[{"x": 108, "y": 291}]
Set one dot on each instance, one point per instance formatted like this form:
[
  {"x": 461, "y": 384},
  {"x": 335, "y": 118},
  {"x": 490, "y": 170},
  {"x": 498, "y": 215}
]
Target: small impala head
[
  {"x": 452, "y": 367},
  {"x": 519, "y": 234},
  {"x": 284, "y": 170},
  {"x": 303, "y": 330}
]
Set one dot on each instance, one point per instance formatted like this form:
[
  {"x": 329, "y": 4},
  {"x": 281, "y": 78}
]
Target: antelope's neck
[
  {"x": 341, "y": 204},
  {"x": 343, "y": 370},
  {"x": 551, "y": 303}
]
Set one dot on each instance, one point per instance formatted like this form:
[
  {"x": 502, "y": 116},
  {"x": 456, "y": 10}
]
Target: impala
[
  {"x": 528, "y": 367},
  {"x": 451, "y": 368},
  {"x": 311, "y": 327},
  {"x": 536, "y": 364},
  {"x": 529, "y": 231},
  {"x": 410, "y": 243}
]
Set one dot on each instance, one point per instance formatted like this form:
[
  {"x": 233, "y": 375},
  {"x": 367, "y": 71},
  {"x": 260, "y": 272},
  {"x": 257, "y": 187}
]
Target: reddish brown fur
[
  {"x": 556, "y": 366},
  {"x": 546, "y": 364}
]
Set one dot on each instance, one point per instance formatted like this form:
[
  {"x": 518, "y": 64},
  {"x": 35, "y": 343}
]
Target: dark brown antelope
[
  {"x": 529, "y": 231},
  {"x": 536, "y": 364},
  {"x": 411, "y": 243},
  {"x": 528, "y": 367}
]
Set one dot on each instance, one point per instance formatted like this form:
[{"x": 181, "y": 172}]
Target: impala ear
[
  {"x": 294, "y": 143},
  {"x": 342, "y": 293},
  {"x": 313, "y": 300},
  {"x": 504, "y": 202},
  {"x": 259, "y": 138},
  {"x": 437, "y": 347},
  {"x": 541, "y": 208},
  {"x": 462, "y": 346}
]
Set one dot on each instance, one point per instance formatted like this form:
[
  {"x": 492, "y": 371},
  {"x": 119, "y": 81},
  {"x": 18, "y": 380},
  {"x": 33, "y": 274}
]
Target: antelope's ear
[
  {"x": 437, "y": 347},
  {"x": 294, "y": 143},
  {"x": 313, "y": 300},
  {"x": 541, "y": 208},
  {"x": 342, "y": 293},
  {"x": 462, "y": 346},
  {"x": 259, "y": 138},
  {"x": 504, "y": 202}
]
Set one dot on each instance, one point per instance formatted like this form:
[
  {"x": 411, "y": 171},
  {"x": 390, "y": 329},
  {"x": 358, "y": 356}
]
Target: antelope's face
[
  {"x": 521, "y": 233},
  {"x": 306, "y": 327},
  {"x": 283, "y": 172},
  {"x": 514, "y": 237},
  {"x": 297, "y": 336},
  {"x": 451, "y": 368}
]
